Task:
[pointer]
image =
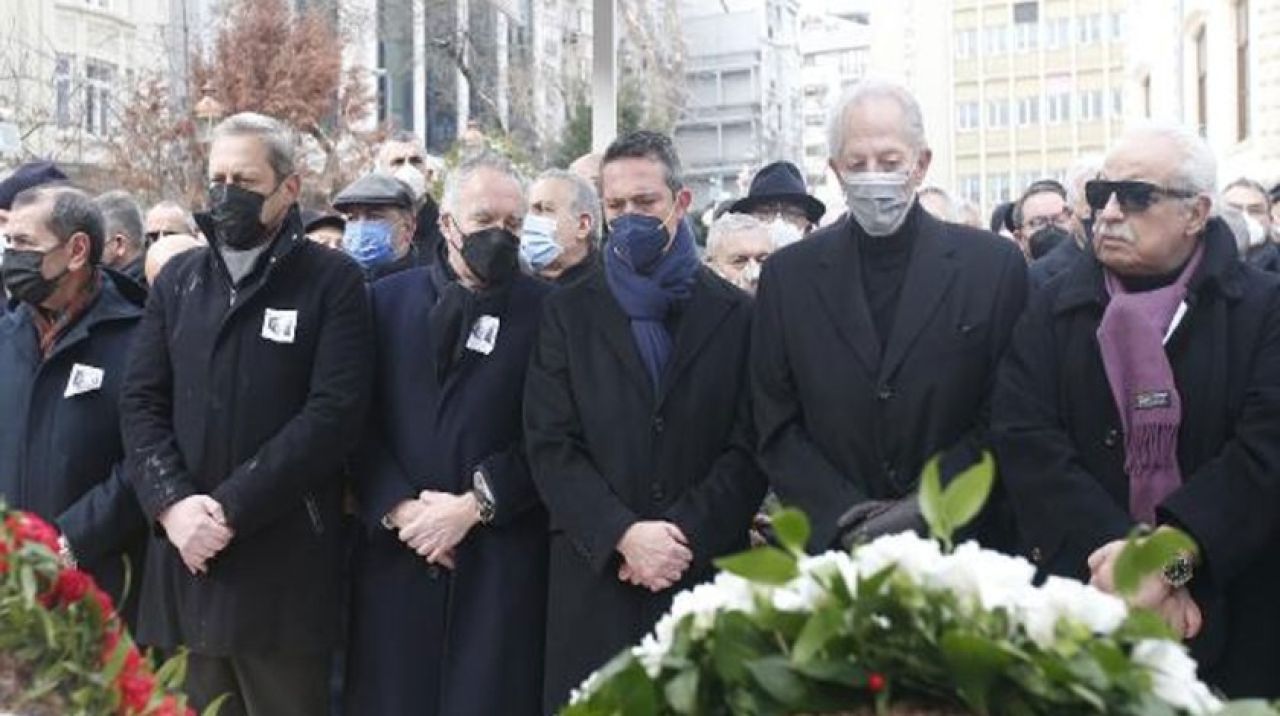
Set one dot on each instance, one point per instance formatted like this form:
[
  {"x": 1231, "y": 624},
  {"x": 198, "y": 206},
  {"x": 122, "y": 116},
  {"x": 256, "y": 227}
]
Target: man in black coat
[
  {"x": 876, "y": 339},
  {"x": 637, "y": 421},
  {"x": 1143, "y": 387},
  {"x": 62, "y": 361},
  {"x": 449, "y": 577},
  {"x": 246, "y": 389}
]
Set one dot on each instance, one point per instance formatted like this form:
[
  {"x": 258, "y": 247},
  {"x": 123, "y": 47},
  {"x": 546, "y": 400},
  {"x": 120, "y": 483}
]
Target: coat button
[
  {"x": 1112, "y": 438},
  {"x": 659, "y": 424},
  {"x": 657, "y": 493},
  {"x": 886, "y": 392},
  {"x": 433, "y": 572}
]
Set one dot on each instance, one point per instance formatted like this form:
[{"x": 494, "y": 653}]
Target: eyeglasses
[
  {"x": 1036, "y": 223},
  {"x": 1133, "y": 196}
]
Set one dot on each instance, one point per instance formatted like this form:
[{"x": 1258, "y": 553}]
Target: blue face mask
[
  {"x": 639, "y": 240},
  {"x": 538, "y": 246},
  {"x": 368, "y": 242}
]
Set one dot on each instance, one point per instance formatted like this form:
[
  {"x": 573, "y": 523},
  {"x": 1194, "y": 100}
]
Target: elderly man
[
  {"x": 125, "y": 247},
  {"x": 560, "y": 238},
  {"x": 378, "y": 211},
  {"x": 779, "y": 199},
  {"x": 737, "y": 245},
  {"x": 449, "y": 597},
  {"x": 403, "y": 157},
  {"x": 1252, "y": 201},
  {"x": 1043, "y": 219},
  {"x": 1065, "y": 253},
  {"x": 637, "y": 422},
  {"x": 1141, "y": 388},
  {"x": 936, "y": 201},
  {"x": 63, "y": 353},
  {"x": 915, "y": 311},
  {"x": 168, "y": 218},
  {"x": 246, "y": 390}
]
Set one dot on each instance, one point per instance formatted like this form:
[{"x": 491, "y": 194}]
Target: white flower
[
  {"x": 995, "y": 580},
  {"x": 1173, "y": 675},
  {"x": 914, "y": 556},
  {"x": 803, "y": 593},
  {"x": 1041, "y": 609}
]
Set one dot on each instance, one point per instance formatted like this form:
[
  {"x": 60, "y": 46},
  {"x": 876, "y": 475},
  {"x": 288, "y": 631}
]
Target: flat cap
[
  {"x": 375, "y": 189},
  {"x": 31, "y": 174}
]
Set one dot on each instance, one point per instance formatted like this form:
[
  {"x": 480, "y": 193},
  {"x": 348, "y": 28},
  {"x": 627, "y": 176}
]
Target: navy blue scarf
[{"x": 647, "y": 297}]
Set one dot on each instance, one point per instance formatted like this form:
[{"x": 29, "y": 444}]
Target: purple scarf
[{"x": 1131, "y": 337}]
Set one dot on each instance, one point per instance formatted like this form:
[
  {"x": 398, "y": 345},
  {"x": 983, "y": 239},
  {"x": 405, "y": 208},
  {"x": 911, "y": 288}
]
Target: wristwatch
[
  {"x": 65, "y": 555},
  {"x": 1179, "y": 571},
  {"x": 484, "y": 496}
]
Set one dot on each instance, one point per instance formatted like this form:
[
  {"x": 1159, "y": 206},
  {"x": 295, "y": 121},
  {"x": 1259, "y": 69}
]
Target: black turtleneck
[
  {"x": 1141, "y": 284},
  {"x": 884, "y": 268}
]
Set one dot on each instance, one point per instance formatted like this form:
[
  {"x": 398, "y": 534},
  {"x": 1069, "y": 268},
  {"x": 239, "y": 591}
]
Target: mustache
[{"x": 1119, "y": 231}]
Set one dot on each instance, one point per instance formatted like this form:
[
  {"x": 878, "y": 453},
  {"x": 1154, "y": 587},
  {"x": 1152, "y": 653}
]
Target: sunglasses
[{"x": 1133, "y": 196}]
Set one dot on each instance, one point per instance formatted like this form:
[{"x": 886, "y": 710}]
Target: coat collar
[
  {"x": 288, "y": 238},
  {"x": 1220, "y": 270},
  {"x": 110, "y": 305}
]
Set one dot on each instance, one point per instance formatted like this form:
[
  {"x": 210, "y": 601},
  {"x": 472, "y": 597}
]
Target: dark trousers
[{"x": 261, "y": 685}]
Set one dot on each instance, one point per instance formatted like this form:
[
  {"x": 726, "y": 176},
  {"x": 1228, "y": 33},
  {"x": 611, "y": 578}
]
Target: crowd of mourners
[{"x": 400, "y": 457}]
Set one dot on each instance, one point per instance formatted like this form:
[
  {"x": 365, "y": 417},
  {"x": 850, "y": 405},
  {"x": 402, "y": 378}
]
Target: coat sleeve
[
  {"x": 799, "y": 472},
  {"x": 152, "y": 461},
  {"x": 105, "y": 520},
  {"x": 507, "y": 473},
  {"x": 1231, "y": 504},
  {"x": 716, "y": 514},
  {"x": 576, "y": 494},
  {"x": 1055, "y": 499},
  {"x": 310, "y": 446}
]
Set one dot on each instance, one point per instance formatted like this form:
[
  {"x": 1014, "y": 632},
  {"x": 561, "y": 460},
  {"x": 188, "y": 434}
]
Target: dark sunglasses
[{"x": 1133, "y": 196}]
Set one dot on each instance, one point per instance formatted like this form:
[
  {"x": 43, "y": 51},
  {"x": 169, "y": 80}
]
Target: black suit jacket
[{"x": 838, "y": 421}]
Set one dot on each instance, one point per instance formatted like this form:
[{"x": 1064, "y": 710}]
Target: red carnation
[
  {"x": 875, "y": 683},
  {"x": 169, "y": 707},
  {"x": 70, "y": 586},
  {"x": 26, "y": 527},
  {"x": 135, "y": 691},
  {"x": 103, "y": 600},
  {"x": 110, "y": 641},
  {"x": 4, "y": 557}
]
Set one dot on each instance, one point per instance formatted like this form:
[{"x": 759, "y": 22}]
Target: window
[
  {"x": 997, "y": 40},
  {"x": 1058, "y": 33},
  {"x": 966, "y": 43},
  {"x": 967, "y": 116},
  {"x": 1059, "y": 109},
  {"x": 998, "y": 188},
  {"x": 1090, "y": 29},
  {"x": 971, "y": 187},
  {"x": 97, "y": 101},
  {"x": 1117, "y": 104},
  {"x": 1026, "y": 36},
  {"x": 1202, "y": 81},
  {"x": 1026, "y": 179},
  {"x": 1028, "y": 111},
  {"x": 1242, "y": 69},
  {"x": 62, "y": 90},
  {"x": 997, "y": 113},
  {"x": 853, "y": 62},
  {"x": 1146, "y": 96},
  {"x": 1117, "y": 26},
  {"x": 1090, "y": 105},
  {"x": 1026, "y": 12}
]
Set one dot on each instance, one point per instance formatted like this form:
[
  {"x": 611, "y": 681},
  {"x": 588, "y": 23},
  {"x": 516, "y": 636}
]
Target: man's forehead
[
  {"x": 1149, "y": 159},
  {"x": 487, "y": 190},
  {"x": 549, "y": 189},
  {"x": 628, "y": 176},
  {"x": 746, "y": 240},
  {"x": 1244, "y": 194},
  {"x": 1043, "y": 201}
]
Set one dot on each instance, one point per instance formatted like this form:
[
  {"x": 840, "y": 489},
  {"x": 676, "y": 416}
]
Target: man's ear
[
  {"x": 1200, "y": 210},
  {"x": 81, "y": 246}
]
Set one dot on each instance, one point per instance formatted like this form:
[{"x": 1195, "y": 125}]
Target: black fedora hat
[{"x": 779, "y": 181}]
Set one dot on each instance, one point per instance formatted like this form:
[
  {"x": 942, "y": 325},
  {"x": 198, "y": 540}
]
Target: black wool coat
[
  {"x": 840, "y": 423},
  {"x": 61, "y": 453},
  {"x": 427, "y": 640},
  {"x": 253, "y": 395},
  {"x": 1058, "y": 438},
  {"x": 606, "y": 451}
]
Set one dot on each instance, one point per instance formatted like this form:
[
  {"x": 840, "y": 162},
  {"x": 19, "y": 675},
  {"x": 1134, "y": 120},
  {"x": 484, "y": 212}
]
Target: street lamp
[{"x": 209, "y": 111}]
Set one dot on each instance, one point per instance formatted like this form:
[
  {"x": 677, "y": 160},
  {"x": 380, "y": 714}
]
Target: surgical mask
[
  {"x": 414, "y": 178},
  {"x": 783, "y": 232},
  {"x": 639, "y": 240},
  {"x": 23, "y": 278},
  {"x": 237, "y": 216},
  {"x": 750, "y": 276},
  {"x": 492, "y": 254},
  {"x": 878, "y": 201},
  {"x": 1257, "y": 233},
  {"x": 369, "y": 242},
  {"x": 1046, "y": 240},
  {"x": 538, "y": 245}
]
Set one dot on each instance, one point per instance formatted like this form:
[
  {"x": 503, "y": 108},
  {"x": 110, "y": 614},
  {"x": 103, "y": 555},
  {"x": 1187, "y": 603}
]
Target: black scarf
[{"x": 456, "y": 310}]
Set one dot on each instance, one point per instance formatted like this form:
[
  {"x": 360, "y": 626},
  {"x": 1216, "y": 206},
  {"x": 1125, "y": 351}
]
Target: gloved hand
[{"x": 870, "y": 519}]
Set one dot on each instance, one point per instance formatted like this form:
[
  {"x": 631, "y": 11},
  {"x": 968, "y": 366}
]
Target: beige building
[
  {"x": 64, "y": 66},
  {"x": 1215, "y": 65}
]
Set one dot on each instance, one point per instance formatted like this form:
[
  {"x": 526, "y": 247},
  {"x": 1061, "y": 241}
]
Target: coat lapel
[
  {"x": 929, "y": 276},
  {"x": 840, "y": 286},
  {"x": 706, "y": 311},
  {"x": 615, "y": 329}
]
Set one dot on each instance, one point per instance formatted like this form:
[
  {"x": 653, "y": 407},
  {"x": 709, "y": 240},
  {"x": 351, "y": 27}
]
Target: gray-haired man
[{"x": 560, "y": 238}]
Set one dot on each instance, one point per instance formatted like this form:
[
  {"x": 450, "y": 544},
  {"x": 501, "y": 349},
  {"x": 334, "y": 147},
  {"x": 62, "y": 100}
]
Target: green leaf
[
  {"x": 765, "y": 565},
  {"x": 1145, "y": 556},
  {"x": 682, "y": 692},
  {"x": 775, "y": 676},
  {"x": 214, "y": 708},
  {"x": 736, "y": 641},
  {"x": 1252, "y": 707},
  {"x": 931, "y": 501},
  {"x": 842, "y": 673},
  {"x": 976, "y": 665},
  {"x": 792, "y": 528},
  {"x": 964, "y": 497},
  {"x": 822, "y": 627}
]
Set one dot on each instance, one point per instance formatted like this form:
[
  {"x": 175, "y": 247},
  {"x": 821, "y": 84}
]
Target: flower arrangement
[
  {"x": 903, "y": 624},
  {"x": 63, "y": 648}
]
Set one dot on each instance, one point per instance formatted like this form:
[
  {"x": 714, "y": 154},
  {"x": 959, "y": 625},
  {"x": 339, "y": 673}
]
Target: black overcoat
[
  {"x": 838, "y": 422},
  {"x": 607, "y": 451},
  {"x": 426, "y": 640},
  {"x": 1058, "y": 439}
]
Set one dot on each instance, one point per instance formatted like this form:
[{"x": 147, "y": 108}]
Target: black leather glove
[{"x": 870, "y": 519}]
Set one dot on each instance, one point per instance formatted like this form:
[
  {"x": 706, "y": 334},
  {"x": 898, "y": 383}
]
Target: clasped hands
[
  {"x": 197, "y": 527},
  {"x": 433, "y": 524},
  {"x": 1174, "y": 605},
  {"x": 655, "y": 555}
]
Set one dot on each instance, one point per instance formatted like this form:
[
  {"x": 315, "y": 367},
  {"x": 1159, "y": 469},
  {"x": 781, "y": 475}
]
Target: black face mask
[
  {"x": 492, "y": 254},
  {"x": 23, "y": 279},
  {"x": 236, "y": 214},
  {"x": 1047, "y": 239}
]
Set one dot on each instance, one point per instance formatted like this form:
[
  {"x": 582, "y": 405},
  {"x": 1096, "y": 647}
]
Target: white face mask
[
  {"x": 783, "y": 232},
  {"x": 878, "y": 201},
  {"x": 1257, "y": 233},
  {"x": 749, "y": 277},
  {"x": 414, "y": 177}
]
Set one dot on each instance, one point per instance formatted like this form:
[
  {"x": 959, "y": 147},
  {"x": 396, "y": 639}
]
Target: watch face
[{"x": 482, "y": 486}]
